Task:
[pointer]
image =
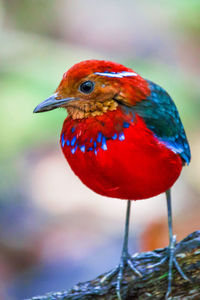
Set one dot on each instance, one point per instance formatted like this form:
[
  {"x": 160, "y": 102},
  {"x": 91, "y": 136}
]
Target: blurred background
[{"x": 54, "y": 232}]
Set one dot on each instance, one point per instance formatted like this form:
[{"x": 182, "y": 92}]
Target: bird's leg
[
  {"x": 171, "y": 257},
  {"x": 125, "y": 258},
  {"x": 172, "y": 247}
]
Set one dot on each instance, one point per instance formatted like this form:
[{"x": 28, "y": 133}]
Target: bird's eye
[{"x": 87, "y": 87}]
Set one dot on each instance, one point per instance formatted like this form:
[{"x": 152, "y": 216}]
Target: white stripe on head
[{"x": 117, "y": 75}]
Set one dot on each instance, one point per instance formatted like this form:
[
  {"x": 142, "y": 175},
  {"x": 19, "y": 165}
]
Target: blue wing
[{"x": 161, "y": 116}]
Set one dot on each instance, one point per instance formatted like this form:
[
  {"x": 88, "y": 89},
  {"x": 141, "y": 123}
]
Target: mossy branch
[{"x": 153, "y": 284}]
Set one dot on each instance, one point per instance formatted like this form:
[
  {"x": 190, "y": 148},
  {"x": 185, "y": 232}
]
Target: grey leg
[
  {"x": 172, "y": 244},
  {"x": 125, "y": 258}
]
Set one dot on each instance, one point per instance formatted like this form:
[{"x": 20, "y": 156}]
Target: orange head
[{"x": 93, "y": 87}]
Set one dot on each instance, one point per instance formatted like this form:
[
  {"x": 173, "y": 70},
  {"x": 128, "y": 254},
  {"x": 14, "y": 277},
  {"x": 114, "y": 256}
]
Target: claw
[
  {"x": 159, "y": 263},
  {"x": 109, "y": 275},
  {"x": 119, "y": 271},
  {"x": 133, "y": 268},
  {"x": 180, "y": 270},
  {"x": 119, "y": 279},
  {"x": 125, "y": 260},
  {"x": 172, "y": 261}
]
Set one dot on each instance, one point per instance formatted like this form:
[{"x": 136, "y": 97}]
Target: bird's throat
[{"x": 83, "y": 109}]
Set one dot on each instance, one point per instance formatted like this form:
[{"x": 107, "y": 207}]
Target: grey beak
[{"x": 51, "y": 103}]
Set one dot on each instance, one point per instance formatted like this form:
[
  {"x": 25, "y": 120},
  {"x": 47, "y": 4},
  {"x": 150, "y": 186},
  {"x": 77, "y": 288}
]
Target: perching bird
[{"x": 123, "y": 138}]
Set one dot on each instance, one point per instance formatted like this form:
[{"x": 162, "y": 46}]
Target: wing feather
[{"x": 161, "y": 116}]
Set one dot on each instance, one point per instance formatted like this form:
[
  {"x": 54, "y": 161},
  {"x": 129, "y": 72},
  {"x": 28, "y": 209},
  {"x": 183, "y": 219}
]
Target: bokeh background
[{"x": 55, "y": 232}]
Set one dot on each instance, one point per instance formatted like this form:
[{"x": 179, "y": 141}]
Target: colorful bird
[{"x": 123, "y": 138}]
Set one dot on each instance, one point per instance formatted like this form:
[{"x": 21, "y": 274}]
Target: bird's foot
[
  {"x": 171, "y": 257},
  {"x": 173, "y": 262},
  {"x": 125, "y": 261}
]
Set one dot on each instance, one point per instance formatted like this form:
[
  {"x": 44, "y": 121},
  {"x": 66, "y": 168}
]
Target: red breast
[{"x": 116, "y": 155}]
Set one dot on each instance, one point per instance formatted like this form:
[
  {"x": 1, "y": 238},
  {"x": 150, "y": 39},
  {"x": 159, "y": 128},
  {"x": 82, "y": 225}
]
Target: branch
[{"x": 153, "y": 284}]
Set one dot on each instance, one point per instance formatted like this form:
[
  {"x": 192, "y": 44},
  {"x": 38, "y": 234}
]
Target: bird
[{"x": 123, "y": 137}]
